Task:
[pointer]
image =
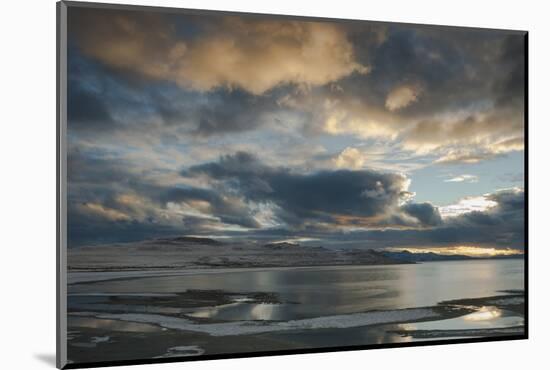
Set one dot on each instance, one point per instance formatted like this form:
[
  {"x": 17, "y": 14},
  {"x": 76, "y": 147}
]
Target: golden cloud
[
  {"x": 256, "y": 56},
  {"x": 102, "y": 211},
  {"x": 253, "y": 55},
  {"x": 456, "y": 136},
  {"x": 350, "y": 158},
  {"x": 402, "y": 96},
  {"x": 352, "y": 116},
  {"x": 467, "y": 139}
]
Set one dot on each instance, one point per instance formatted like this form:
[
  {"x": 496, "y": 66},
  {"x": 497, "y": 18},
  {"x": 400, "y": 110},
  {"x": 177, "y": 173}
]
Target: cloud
[
  {"x": 468, "y": 138},
  {"x": 345, "y": 115},
  {"x": 499, "y": 226},
  {"x": 510, "y": 88},
  {"x": 508, "y": 145},
  {"x": 453, "y": 95},
  {"x": 85, "y": 109},
  {"x": 425, "y": 213},
  {"x": 104, "y": 212},
  {"x": 124, "y": 203},
  {"x": 329, "y": 108},
  {"x": 466, "y": 205},
  {"x": 216, "y": 113},
  {"x": 379, "y": 156},
  {"x": 464, "y": 156},
  {"x": 109, "y": 202},
  {"x": 230, "y": 52},
  {"x": 474, "y": 153},
  {"x": 463, "y": 178},
  {"x": 206, "y": 203},
  {"x": 402, "y": 96},
  {"x": 449, "y": 107},
  {"x": 350, "y": 158},
  {"x": 503, "y": 222},
  {"x": 502, "y": 219},
  {"x": 450, "y": 133},
  {"x": 103, "y": 101},
  {"x": 334, "y": 198}
]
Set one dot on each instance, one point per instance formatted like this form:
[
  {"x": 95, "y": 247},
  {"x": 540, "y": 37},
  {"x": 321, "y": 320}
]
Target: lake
[{"x": 300, "y": 307}]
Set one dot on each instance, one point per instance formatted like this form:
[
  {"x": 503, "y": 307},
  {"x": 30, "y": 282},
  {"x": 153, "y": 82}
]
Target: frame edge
[{"x": 61, "y": 217}]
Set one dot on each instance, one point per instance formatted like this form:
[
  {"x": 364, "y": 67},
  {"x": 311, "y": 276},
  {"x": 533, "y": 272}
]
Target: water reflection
[
  {"x": 243, "y": 311},
  {"x": 485, "y": 317},
  {"x": 484, "y": 313},
  {"x": 332, "y": 290},
  {"x": 429, "y": 283}
]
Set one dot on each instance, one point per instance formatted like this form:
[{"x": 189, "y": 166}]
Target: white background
[{"x": 27, "y": 168}]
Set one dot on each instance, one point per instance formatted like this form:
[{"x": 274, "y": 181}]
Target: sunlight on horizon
[{"x": 465, "y": 250}]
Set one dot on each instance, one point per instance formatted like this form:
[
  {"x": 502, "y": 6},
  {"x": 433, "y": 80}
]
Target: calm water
[{"x": 312, "y": 292}]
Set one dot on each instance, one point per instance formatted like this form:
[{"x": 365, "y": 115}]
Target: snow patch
[
  {"x": 255, "y": 327},
  {"x": 182, "y": 351}
]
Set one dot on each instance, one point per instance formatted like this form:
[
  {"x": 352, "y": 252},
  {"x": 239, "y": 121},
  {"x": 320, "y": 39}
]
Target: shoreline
[
  {"x": 83, "y": 276},
  {"x": 118, "y": 334},
  {"x": 442, "y": 311}
]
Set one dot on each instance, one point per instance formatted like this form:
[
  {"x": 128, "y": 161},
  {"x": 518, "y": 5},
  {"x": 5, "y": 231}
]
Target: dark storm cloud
[
  {"x": 510, "y": 88},
  {"x": 465, "y": 85},
  {"x": 316, "y": 203},
  {"x": 508, "y": 215},
  {"x": 405, "y": 55},
  {"x": 116, "y": 201},
  {"x": 426, "y": 213},
  {"x": 101, "y": 100},
  {"x": 218, "y": 112},
  {"x": 85, "y": 109},
  {"x": 86, "y": 229},
  {"x": 454, "y": 68},
  {"x": 99, "y": 168},
  {"x": 466, "y": 63},
  {"x": 110, "y": 202},
  {"x": 229, "y": 210},
  {"x": 501, "y": 226},
  {"x": 341, "y": 197},
  {"x": 86, "y": 105},
  {"x": 104, "y": 100}
]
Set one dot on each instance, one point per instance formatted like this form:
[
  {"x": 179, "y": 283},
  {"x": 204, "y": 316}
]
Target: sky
[{"x": 265, "y": 129}]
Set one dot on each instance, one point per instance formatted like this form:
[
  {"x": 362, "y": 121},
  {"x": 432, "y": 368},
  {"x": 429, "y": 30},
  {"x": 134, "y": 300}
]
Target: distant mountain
[
  {"x": 189, "y": 239},
  {"x": 281, "y": 245},
  {"x": 407, "y": 256},
  {"x": 196, "y": 253}
]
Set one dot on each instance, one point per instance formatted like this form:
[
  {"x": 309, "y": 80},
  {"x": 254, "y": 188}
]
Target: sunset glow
[{"x": 463, "y": 250}]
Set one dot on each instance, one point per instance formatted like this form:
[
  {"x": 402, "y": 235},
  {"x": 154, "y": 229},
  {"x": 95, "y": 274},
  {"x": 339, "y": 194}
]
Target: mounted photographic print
[{"x": 235, "y": 185}]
